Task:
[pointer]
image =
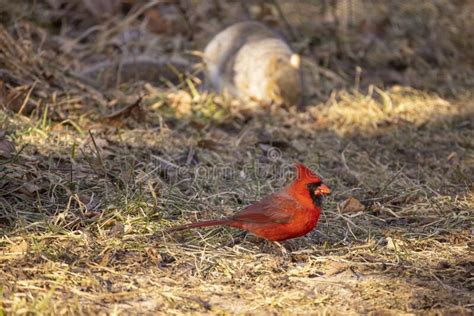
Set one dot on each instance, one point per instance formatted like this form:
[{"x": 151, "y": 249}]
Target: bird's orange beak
[{"x": 322, "y": 190}]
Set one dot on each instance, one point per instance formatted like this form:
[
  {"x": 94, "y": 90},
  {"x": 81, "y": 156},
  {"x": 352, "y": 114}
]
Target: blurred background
[{"x": 426, "y": 45}]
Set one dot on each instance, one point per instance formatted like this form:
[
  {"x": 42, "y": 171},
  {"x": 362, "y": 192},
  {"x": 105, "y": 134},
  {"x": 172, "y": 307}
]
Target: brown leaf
[
  {"x": 19, "y": 248},
  {"x": 277, "y": 143},
  {"x": 336, "y": 268},
  {"x": 91, "y": 214},
  {"x": 125, "y": 111},
  {"x": 394, "y": 244},
  {"x": 117, "y": 230},
  {"x": 30, "y": 187},
  {"x": 157, "y": 22},
  {"x": 7, "y": 148},
  {"x": 352, "y": 205},
  {"x": 105, "y": 259},
  {"x": 13, "y": 99},
  {"x": 208, "y": 144},
  {"x": 168, "y": 18},
  {"x": 153, "y": 255}
]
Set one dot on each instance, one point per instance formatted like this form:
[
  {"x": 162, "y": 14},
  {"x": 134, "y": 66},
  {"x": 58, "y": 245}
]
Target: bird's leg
[
  {"x": 269, "y": 247},
  {"x": 284, "y": 252}
]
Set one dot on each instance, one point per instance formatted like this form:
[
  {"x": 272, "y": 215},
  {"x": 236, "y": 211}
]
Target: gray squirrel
[
  {"x": 246, "y": 60},
  {"x": 249, "y": 61}
]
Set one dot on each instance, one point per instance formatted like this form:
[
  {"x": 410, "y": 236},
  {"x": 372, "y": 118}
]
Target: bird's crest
[{"x": 304, "y": 174}]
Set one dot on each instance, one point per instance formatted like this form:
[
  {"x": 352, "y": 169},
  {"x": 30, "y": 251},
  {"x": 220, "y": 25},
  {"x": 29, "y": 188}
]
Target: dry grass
[{"x": 86, "y": 190}]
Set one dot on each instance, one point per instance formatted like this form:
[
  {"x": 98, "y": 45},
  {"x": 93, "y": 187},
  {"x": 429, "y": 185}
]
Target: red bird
[{"x": 292, "y": 212}]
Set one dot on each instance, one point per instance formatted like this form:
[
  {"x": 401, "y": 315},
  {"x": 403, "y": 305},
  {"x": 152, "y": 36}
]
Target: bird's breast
[{"x": 302, "y": 222}]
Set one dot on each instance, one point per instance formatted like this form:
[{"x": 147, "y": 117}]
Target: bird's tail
[{"x": 215, "y": 222}]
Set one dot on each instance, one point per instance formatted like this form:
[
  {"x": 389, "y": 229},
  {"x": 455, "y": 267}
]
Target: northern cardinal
[{"x": 292, "y": 212}]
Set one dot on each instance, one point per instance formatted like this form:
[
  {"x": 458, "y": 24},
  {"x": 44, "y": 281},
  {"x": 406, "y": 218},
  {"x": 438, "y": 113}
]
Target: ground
[{"x": 92, "y": 175}]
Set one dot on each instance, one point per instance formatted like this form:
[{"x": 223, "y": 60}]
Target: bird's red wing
[{"x": 271, "y": 209}]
